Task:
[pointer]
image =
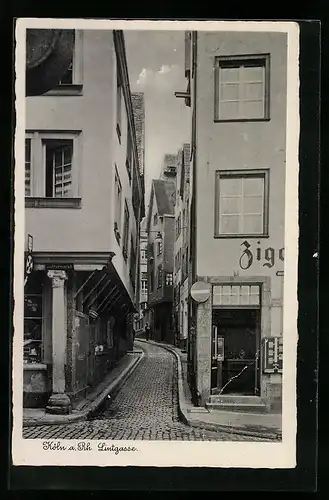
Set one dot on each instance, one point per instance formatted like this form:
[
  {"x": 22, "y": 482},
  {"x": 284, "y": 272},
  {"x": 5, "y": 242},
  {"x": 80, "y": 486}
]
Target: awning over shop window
[{"x": 103, "y": 291}]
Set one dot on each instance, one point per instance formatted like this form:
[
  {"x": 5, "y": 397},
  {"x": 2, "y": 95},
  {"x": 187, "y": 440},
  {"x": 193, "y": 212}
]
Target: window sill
[
  {"x": 226, "y": 236},
  {"x": 66, "y": 90},
  {"x": 243, "y": 120},
  {"x": 41, "y": 202}
]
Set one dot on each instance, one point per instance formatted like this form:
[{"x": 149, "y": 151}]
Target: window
[
  {"x": 236, "y": 295},
  {"x": 169, "y": 279},
  {"x": 51, "y": 173},
  {"x": 58, "y": 157},
  {"x": 125, "y": 231},
  {"x": 159, "y": 247},
  {"x": 71, "y": 81},
  {"x": 33, "y": 318},
  {"x": 28, "y": 167},
  {"x": 143, "y": 254},
  {"x": 129, "y": 153},
  {"x": 144, "y": 282},
  {"x": 242, "y": 88},
  {"x": 155, "y": 219},
  {"x": 159, "y": 277},
  {"x": 117, "y": 206},
  {"x": 119, "y": 102},
  {"x": 241, "y": 201}
]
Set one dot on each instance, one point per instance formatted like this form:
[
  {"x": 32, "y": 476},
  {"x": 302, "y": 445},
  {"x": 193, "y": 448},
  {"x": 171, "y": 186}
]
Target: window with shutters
[
  {"x": 241, "y": 203},
  {"x": 51, "y": 172},
  {"x": 242, "y": 88}
]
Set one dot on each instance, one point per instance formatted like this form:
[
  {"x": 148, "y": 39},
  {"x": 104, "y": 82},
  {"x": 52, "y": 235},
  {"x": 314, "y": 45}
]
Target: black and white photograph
[{"x": 156, "y": 243}]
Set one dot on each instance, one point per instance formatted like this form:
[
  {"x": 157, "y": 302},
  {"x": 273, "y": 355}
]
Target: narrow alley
[{"x": 146, "y": 408}]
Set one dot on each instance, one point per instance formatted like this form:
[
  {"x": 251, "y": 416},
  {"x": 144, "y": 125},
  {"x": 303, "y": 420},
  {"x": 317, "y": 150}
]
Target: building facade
[
  {"x": 141, "y": 316},
  {"x": 181, "y": 247},
  {"x": 84, "y": 202},
  {"x": 236, "y": 88},
  {"x": 161, "y": 233}
]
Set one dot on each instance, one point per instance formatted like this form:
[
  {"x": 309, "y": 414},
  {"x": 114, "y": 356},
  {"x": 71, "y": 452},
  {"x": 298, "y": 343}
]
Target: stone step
[
  {"x": 238, "y": 407},
  {"x": 234, "y": 398}
]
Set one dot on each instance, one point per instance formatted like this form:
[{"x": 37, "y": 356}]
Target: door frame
[
  {"x": 264, "y": 282},
  {"x": 218, "y": 366}
]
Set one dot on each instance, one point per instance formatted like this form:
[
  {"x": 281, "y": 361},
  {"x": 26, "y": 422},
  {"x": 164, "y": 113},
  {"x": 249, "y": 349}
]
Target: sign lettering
[
  {"x": 63, "y": 267},
  {"x": 268, "y": 256}
]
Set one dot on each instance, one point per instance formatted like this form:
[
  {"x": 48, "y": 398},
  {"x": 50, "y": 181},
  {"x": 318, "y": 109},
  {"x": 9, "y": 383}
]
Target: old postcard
[{"x": 156, "y": 243}]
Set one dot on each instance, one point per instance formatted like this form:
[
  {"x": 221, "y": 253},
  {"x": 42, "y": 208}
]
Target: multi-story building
[
  {"x": 141, "y": 315},
  {"x": 237, "y": 87},
  {"x": 84, "y": 202},
  {"x": 181, "y": 247},
  {"x": 161, "y": 235}
]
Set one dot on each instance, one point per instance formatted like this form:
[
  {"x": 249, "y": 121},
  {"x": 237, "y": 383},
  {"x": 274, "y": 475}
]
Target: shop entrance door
[{"x": 235, "y": 352}]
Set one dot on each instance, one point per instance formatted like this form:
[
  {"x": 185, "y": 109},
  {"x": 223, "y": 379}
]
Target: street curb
[
  {"x": 182, "y": 410},
  {"x": 113, "y": 387}
]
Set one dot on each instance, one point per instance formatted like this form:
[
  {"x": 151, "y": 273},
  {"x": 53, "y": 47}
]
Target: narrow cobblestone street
[{"x": 146, "y": 408}]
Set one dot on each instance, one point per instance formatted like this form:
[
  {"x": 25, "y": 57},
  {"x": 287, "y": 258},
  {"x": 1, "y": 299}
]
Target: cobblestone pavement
[{"x": 145, "y": 408}]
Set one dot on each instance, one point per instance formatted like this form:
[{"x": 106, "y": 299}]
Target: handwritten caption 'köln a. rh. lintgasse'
[{"x": 51, "y": 445}]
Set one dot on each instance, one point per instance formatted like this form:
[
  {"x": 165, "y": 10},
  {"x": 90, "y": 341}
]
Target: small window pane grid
[
  {"x": 236, "y": 295},
  {"x": 32, "y": 350},
  {"x": 144, "y": 285},
  {"x": 241, "y": 88},
  {"x": 62, "y": 170},
  {"x": 241, "y": 202},
  {"x": 27, "y": 167},
  {"x": 169, "y": 279}
]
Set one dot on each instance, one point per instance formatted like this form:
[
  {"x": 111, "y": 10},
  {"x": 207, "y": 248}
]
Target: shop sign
[
  {"x": 268, "y": 257},
  {"x": 273, "y": 355},
  {"x": 60, "y": 267}
]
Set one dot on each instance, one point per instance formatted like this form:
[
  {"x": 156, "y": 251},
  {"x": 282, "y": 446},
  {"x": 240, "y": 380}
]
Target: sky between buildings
[{"x": 156, "y": 67}]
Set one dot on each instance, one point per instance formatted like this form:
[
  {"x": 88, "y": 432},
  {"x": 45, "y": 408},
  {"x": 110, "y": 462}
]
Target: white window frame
[
  {"x": 37, "y": 198},
  {"x": 226, "y": 290},
  {"x": 259, "y": 173},
  {"x": 240, "y": 61},
  {"x": 144, "y": 285},
  {"x": 74, "y": 88}
]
